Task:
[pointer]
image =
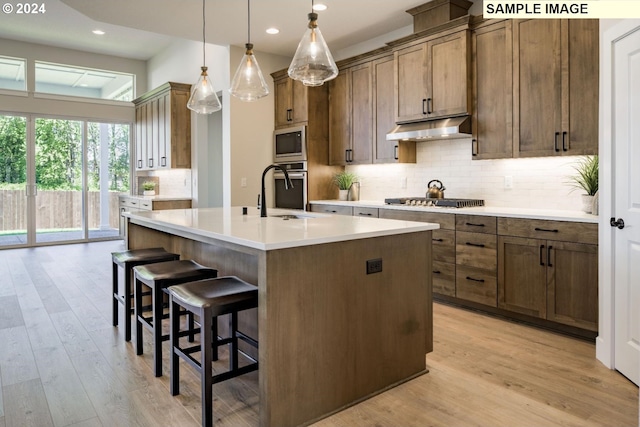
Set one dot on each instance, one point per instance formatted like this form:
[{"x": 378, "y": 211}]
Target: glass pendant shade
[
  {"x": 248, "y": 83},
  {"x": 313, "y": 63},
  {"x": 203, "y": 98}
]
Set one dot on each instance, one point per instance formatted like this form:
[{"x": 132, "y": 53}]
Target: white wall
[{"x": 537, "y": 182}]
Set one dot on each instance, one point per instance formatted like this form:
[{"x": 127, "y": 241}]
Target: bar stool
[
  {"x": 158, "y": 277},
  {"x": 127, "y": 260},
  {"x": 209, "y": 299}
]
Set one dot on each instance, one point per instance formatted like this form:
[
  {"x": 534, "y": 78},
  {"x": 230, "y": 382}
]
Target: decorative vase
[
  {"x": 587, "y": 203},
  {"x": 149, "y": 193},
  {"x": 343, "y": 194}
]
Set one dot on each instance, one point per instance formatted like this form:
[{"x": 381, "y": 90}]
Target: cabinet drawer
[
  {"x": 477, "y": 250},
  {"x": 446, "y": 221},
  {"x": 333, "y": 209},
  {"x": 476, "y": 223},
  {"x": 444, "y": 278},
  {"x": 474, "y": 284},
  {"x": 145, "y": 205},
  {"x": 578, "y": 232},
  {"x": 129, "y": 202},
  {"x": 443, "y": 246},
  {"x": 369, "y": 212}
]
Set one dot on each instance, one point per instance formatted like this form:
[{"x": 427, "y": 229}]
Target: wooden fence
[{"x": 54, "y": 210}]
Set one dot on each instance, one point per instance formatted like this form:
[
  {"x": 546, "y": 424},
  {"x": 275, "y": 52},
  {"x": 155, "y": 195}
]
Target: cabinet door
[
  {"x": 140, "y": 138},
  {"x": 163, "y": 125},
  {"x": 580, "y": 122},
  {"x": 339, "y": 119},
  {"x": 537, "y": 87},
  {"x": 410, "y": 100},
  {"x": 492, "y": 83},
  {"x": 572, "y": 288},
  {"x": 447, "y": 75},
  {"x": 522, "y": 275},
  {"x": 282, "y": 94},
  {"x": 361, "y": 114},
  {"x": 152, "y": 145},
  {"x": 299, "y": 102},
  {"x": 177, "y": 120}
]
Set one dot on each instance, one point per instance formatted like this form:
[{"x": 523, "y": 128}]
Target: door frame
[{"x": 605, "y": 345}]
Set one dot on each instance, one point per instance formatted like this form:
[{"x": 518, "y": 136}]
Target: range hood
[{"x": 453, "y": 127}]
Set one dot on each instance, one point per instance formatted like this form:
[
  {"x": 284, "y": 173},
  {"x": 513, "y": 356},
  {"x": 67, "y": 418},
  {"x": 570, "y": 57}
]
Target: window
[
  {"x": 84, "y": 82},
  {"x": 12, "y": 73}
]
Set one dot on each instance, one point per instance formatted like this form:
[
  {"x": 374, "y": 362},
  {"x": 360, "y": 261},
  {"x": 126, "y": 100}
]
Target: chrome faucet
[{"x": 287, "y": 185}]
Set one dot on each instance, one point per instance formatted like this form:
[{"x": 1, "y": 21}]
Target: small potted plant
[
  {"x": 149, "y": 188},
  {"x": 586, "y": 179},
  {"x": 344, "y": 180}
]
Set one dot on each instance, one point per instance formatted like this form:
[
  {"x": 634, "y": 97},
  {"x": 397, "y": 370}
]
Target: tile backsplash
[
  {"x": 173, "y": 182},
  {"x": 537, "y": 182}
]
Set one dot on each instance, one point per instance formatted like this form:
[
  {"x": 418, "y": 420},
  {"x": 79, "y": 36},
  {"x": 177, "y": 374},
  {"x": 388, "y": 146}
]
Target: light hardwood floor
[{"x": 63, "y": 364}]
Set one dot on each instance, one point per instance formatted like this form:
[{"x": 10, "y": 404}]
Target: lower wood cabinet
[
  {"x": 549, "y": 279},
  {"x": 332, "y": 209}
]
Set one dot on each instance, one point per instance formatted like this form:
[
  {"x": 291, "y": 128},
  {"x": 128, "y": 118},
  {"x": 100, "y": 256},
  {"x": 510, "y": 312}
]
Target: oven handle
[{"x": 280, "y": 175}]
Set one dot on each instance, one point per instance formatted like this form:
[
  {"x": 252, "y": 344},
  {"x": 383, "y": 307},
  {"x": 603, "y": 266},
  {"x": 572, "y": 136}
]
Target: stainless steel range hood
[{"x": 453, "y": 127}]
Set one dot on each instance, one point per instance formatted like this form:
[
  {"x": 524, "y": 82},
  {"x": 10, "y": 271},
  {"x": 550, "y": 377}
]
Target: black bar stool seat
[
  {"x": 209, "y": 299},
  {"x": 127, "y": 260},
  {"x": 158, "y": 277}
]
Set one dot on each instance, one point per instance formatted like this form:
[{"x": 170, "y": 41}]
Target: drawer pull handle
[
  {"x": 438, "y": 240},
  {"x": 477, "y": 245},
  {"x": 475, "y": 280},
  {"x": 134, "y": 203},
  {"x": 549, "y": 256},
  {"x": 545, "y": 229},
  {"x": 364, "y": 214},
  {"x": 474, "y": 225},
  {"x": 436, "y": 271},
  {"x": 541, "y": 251},
  {"x": 330, "y": 211}
]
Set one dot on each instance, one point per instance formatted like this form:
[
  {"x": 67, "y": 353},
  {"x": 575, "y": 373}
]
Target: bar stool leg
[
  {"x": 174, "y": 336},
  {"x": 156, "y": 294},
  {"x": 127, "y": 303},
  {"x": 115, "y": 292},
  {"x": 138, "y": 303},
  {"x": 214, "y": 333},
  {"x": 206, "y": 375},
  {"x": 233, "y": 356}
]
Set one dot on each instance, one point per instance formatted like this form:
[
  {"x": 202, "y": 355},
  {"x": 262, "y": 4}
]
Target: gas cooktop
[{"x": 423, "y": 201}]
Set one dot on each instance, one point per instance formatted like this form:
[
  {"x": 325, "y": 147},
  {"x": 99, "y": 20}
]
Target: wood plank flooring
[{"x": 63, "y": 364}]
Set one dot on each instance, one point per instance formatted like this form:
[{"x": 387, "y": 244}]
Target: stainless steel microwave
[{"x": 290, "y": 145}]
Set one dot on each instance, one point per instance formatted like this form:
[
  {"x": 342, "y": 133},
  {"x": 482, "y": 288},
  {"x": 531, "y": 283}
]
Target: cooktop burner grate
[{"x": 423, "y": 201}]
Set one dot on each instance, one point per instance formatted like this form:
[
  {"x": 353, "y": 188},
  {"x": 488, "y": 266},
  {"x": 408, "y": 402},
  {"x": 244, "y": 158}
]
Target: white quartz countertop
[
  {"x": 528, "y": 213},
  {"x": 229, "y": 225},
  {"x": 157, "y": 197}
]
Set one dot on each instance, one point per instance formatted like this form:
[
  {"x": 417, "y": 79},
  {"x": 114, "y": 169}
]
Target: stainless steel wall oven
[{"x": 296, "y": 197}]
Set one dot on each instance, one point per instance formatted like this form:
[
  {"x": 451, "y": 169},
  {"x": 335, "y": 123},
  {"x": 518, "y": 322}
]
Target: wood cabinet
[
  {"x": 163, "y": 128},
  {"x": 332, "y": 209},
  {"x": 476, "y": 259},
  {"x": 492, "y": 88},
  {"x": 542, "y": 275},
  {"x": 555, "y": 87},
  {"x": 431, "y": 78},
  {"x": 351, "y": 116},
  {"x": 291, "y": 102},
  {"x": 384, "y": 117}
]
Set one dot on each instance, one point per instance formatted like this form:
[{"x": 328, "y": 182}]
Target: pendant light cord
[
  {"x": 204, "y": 54},
  {"x": 311, "y": 6},
  {"x": 248, "y": 21}
]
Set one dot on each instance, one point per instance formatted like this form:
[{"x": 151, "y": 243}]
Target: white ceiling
[{"x": 139, "y": 29}]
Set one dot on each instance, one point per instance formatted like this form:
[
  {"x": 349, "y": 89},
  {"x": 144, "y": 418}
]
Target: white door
[{"x": 626, "y": 203}]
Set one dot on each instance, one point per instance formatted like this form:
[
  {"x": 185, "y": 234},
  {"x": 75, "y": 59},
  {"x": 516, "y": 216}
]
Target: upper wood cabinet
[
  {"x": 163, "y": 128},
  {"x": 555, "y": 87},
  {"x": 291, "y": 102},
  {"x": 492, "y": 88},
  {"x": 351, "y": 116},
  {"x": 431, "y": 78}
]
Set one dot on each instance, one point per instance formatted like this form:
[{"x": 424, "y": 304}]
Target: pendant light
[
  {"x": 203, "y": 98},
  {"x": 313, "y": 64},
  {"x": 248, "y": 83}
]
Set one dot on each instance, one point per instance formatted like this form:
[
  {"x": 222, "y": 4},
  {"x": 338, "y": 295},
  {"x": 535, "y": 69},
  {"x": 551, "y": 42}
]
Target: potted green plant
[
  {"x": 149, "y": 188},
  {"x": 586, "y": 179},
  {"x": 344, "y": 180}
]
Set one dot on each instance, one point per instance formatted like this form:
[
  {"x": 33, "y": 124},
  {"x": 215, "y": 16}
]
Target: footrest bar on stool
[{"x": 232, "y": 374}]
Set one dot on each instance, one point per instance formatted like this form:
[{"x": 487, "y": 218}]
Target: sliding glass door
[
  {"x": 60, "y": 179},
  {"x": 13, "y": 180}
]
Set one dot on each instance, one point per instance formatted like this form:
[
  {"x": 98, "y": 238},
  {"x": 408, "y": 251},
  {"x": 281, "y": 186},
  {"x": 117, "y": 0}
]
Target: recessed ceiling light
[
  {"x": 318, "y": 7},
  {"x": 272, "y": 31},
  {"x": 98, "y": 32}
]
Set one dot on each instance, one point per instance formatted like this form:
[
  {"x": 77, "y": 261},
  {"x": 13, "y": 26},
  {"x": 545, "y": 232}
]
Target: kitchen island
[{"x": 330, "y": 334}]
